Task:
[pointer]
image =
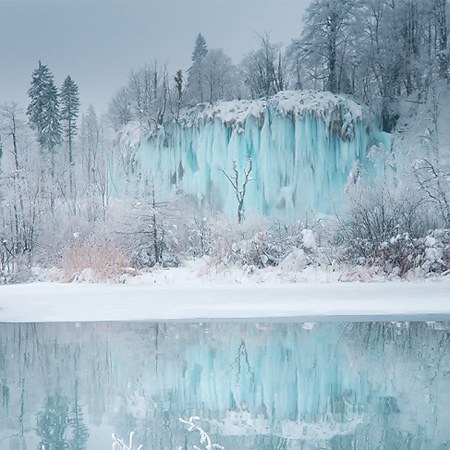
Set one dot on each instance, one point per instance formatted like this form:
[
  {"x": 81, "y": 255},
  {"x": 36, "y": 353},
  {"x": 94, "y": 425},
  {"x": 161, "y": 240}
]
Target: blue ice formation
[{"x": 303, "y": 146}]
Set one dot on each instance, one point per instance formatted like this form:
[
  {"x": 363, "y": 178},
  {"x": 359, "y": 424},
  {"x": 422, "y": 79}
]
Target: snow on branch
[
  {"x": 119, "y": 444},
  {"x": 205, "y": 439}
]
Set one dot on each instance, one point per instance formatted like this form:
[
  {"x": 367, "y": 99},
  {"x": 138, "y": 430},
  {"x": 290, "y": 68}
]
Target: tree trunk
[{"x": 442, "y": 37}]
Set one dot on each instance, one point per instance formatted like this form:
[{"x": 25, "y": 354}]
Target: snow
[
  {"x": 57, "y": 302},
  {"x": 235, "y": 113},
  {"x": 309, "y": 241}
]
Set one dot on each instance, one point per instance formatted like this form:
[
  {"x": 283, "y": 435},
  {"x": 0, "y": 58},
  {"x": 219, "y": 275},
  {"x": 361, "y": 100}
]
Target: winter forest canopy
[{"x": 73, "y": 194}]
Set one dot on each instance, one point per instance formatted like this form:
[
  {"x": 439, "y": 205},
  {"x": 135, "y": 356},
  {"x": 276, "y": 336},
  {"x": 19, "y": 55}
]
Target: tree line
[
  {"x": 54, "y": 168},
  {"x": 375, "y": 50}
]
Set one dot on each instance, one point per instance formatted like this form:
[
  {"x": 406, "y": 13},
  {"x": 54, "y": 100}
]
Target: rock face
[{"x": 303, "y": 146}]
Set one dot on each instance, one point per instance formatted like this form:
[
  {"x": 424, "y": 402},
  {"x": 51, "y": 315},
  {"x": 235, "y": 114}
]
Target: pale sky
[{"x": 98, "y": 42}]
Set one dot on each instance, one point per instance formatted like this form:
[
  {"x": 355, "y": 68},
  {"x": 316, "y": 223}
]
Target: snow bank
[{"x": 53, "y": 302}]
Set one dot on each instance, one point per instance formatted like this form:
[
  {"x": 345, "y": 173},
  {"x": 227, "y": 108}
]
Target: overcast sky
[{"x": 98, "y": 42}]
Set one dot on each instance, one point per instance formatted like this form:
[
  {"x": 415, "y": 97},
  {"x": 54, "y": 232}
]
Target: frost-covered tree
[
  {"x": 240, "y": 188},
  {"x": 119, "y": 111},
  {"x": 294, "y": 66},
  {"x": 95, "y": 166},
  {"x": 383, "y": 58},
  {"x": 144, "y": 99},
  {"x": 43, "y": 111},
  {"x": 219, "y": 76},
  {"x": 19, "y": 192},
  {"x": 70, "y": 107},
  {"x": 263, "y": 69},
  {"x": 195, "y": 82},
  {"x": 440, "y": 9},
  {"x": 327, "y": 25},
  {"x": 395, "y": 55}
]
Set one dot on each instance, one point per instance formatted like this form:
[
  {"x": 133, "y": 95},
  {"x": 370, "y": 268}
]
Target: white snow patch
[
  {"x": 55, "y": 302},
  {"x": 236, "y": 112}
]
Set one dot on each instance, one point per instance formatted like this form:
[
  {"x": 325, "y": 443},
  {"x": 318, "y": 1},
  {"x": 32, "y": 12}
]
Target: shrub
[{"x": 92, "y": 258}]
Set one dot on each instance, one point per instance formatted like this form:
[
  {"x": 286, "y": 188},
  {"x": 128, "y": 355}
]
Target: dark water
[{"x": 253, "y": 386}]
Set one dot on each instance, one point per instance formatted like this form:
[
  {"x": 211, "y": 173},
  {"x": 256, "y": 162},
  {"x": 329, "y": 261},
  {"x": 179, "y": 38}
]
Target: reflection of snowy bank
[{"x": 238, "y": 423}]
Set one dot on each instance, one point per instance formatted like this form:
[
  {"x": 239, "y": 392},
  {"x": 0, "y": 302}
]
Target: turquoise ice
[{"x": 303, "y": 146}]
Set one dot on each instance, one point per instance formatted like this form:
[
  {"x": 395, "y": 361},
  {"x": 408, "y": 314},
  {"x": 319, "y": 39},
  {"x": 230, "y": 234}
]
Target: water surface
[{"x": 383, "y": 385}]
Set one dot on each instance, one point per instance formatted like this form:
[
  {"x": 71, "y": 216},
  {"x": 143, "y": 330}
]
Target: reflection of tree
[
  {"x": 79, "y": 431},
  {"x": 60, "y": 426},
  {"x": 242, "y": 357},
  {"x": 5, "y": 395},
  {"x": 52, "y": 424}
]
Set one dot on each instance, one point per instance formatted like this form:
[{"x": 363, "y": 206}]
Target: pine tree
[
  {"x": 195, "y": 83},
  {"x": 70, "y": 107},
  {"x": 43, "y": 110},
  {"x": 200, "y": 49}
]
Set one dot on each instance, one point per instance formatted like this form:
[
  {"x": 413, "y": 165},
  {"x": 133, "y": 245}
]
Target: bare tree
[
  {"x": 264, "y": 69},
  {"x": 239, "y": 190},
  {"x": 442, "y": 36},
  {"x": 218, "y": 75},
  {"x": 19, "y": 206},
  {"x": 432, "y": 173}
]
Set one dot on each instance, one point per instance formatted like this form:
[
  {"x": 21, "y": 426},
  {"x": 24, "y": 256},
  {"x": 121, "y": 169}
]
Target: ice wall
[{"x": 303, "y": 145}]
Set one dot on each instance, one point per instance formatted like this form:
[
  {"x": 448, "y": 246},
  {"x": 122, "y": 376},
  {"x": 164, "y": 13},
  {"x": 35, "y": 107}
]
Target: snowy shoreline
[{"x": 85, "y": 302}]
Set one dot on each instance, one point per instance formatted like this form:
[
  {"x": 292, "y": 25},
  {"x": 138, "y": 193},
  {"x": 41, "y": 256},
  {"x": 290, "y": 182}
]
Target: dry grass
[{"x": 93, "y": 258}]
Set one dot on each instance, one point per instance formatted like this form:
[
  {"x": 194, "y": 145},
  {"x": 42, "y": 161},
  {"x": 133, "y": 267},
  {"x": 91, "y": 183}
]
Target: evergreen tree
[
  {"x": 200, "y": 49},
  {"x": 70, "y": 107},
  {"x": 195, "y": 85},
  {"x": 43, "y": 110}
]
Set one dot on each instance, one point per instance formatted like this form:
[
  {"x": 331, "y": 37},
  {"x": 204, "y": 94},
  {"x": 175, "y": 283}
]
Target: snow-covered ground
[{"x": 48, "y": 302}]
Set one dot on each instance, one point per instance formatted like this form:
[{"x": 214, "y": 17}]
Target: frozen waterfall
[{"x": 303, "y": 146}]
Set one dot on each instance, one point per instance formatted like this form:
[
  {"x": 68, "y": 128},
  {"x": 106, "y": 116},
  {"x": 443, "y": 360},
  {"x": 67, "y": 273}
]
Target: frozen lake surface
[{"x": 54, "y": 302}]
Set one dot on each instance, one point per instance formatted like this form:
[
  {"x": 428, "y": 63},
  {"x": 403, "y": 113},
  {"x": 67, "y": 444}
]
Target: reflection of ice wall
[
  {"x": 256, "y": 386},
  {"x": 303, "y": 145}
]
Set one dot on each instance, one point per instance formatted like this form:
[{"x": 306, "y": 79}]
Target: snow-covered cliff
[{"x": 303, "y": 146}]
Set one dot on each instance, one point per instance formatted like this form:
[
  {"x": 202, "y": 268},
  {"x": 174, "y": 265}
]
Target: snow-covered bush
[
  {"x": 261, "y": 244},
  {"x": 392, "y": 233}
]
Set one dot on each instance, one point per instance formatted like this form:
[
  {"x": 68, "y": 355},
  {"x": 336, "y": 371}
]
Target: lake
[{"x": 266, "y": 385}]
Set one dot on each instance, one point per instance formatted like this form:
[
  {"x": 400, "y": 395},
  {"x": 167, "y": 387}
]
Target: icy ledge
[
  {"x": 53, "y": 302},
  {"x": 234, "y": 114}
]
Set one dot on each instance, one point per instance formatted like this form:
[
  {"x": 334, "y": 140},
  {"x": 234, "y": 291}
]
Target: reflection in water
[{"x": 254, "y": 386}]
